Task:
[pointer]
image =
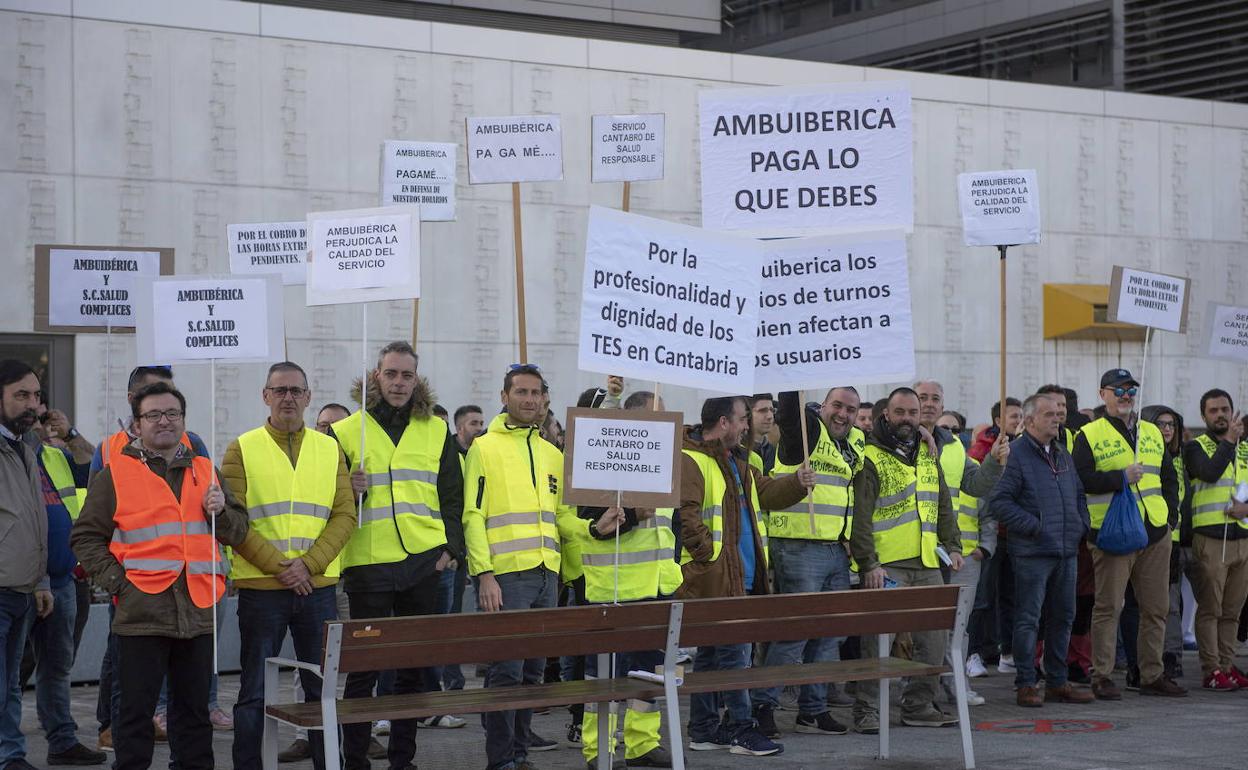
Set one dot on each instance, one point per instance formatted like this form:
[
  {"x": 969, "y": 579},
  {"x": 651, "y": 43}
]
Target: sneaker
[
  {"x": 655, "y": 757},
  {"x": 867, "y": 723},
  {"x": 220, "y": 720},
  {"x": 928, "y": 717},
  {"x": 1103, "y": 688},
  {"x": 376, "y": 750},
  {"x": 1163, "y": 687},
  {"x": 819, "y": 724},
  {"x": 158, "y": 724},
  {"x": 685, "y": 654},
  {"x": 295, "y": 752},
  {"x": 105, "y": 741},
  {"x": 1236, "y": 676},
  {"x": 720, "y": 739},
  {"x": 975, "y": 667},
  {"x": 1133, "y": 678},
  {"x": 1067, "y": 694},
  {"x": 1219, "y": 682},
  {"x": 838, "y": 698},
  {"x": 538, "y": 743},
  {"x": 789, "y": 698},
  {"x": 446, "y": 721},
  {"x": 972, "y": 698},
  {"x": 574, "y": 733},
  {"x": 381, "y": 727},
  {"x": 76, "y": 755},
  {"x": 750, "y": 742},
  {"x": 1006, "y": 664},
  {"x": 765, "y": 717},
  {"x": 1029, "y": 697}
]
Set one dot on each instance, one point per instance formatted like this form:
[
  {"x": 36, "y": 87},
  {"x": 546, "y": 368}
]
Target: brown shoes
[
  {"x": 1103, "y": 688},
  {"x": 1029, "y": 697},
  {"x": 1164, "y": 687},
  {"x": 1067, "y": 694}
]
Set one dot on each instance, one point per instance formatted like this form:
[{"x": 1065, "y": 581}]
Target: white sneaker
[
  {"x": 973, "y": 698},
  {"x": 381, "y": 727},
  {"x": 975, "y": 667},
  {"x": 447, "y": 721},
  {"x": 1006, "y": 665}
]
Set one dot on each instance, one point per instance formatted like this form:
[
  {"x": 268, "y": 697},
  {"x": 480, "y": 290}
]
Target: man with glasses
[
  {"x": 1114, "y": 452},
  {"x": 295, "y": 485},
  {"x": 145, "y": 536},
  {"x": 140, "y": 377},
  {"x": 411, "y": 490}
]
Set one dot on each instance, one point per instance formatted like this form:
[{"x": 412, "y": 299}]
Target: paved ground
[{"x": 1205, "y": 730}]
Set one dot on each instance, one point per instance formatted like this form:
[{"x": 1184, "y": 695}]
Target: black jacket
[
  {"x": 1040, "y": 500},
  {"x": 1107, "y": 482}
]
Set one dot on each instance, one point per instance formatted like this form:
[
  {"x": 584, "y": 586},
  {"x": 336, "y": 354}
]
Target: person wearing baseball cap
[{"x": 1111, "y": 451}]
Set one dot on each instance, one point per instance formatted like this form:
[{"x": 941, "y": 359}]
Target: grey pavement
[{"x": 1204, "y": 730}]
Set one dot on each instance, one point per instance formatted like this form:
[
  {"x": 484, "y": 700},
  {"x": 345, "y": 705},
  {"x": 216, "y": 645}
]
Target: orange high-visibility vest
[
  {"x": 121, "y": 439},
  {"x": 159, "y": 536}
]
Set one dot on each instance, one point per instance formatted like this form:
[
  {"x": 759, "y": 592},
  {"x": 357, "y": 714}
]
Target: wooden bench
[{"x": 369, "y": 645}]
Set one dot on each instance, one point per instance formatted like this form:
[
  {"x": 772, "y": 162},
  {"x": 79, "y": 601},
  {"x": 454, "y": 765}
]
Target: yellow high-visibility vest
[
  {"x": 288, "y": 505},
  {"x": 1210, "y": 501},
  {"x": 833, "y": 495},
  {"x": 648, "y": 568},
  {"x": 62, "y": 477},
  {"x": 1112, "y": 453},
  {"x": 714, "y": 487},
  {"x": 907, "y": 507}
]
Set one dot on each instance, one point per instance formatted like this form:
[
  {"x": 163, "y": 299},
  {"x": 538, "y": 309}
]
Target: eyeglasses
[
  {"x": 294, "y": 391},
  {"x": 1120, "y": 392},
  {"x": 1169, "y": 424},
  {"x": 171, "y": 415}
]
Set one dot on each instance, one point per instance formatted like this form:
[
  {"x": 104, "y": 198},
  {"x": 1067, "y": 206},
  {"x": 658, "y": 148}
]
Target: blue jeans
[
  {"x": 17, "y": 611},
  {"x": 1042, "y": 583},
  {"x": 704, "y": 707},
  {"x": 507, "y": 733},
  {"x": 53, "y": 641},
  {"x": 263, "y": 619},
  {"x": 802, "y": 566},
  {"x": 451, "y": 602}
]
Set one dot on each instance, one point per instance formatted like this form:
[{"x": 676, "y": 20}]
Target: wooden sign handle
[{"x": 519, "y": 249}]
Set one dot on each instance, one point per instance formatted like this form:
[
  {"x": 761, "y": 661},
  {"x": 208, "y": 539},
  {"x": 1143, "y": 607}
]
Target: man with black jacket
[{"x": 1110, "y": 452}]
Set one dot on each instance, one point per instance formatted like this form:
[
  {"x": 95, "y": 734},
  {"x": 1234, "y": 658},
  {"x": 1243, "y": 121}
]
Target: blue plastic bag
[{"x": 1122, "y": 530}]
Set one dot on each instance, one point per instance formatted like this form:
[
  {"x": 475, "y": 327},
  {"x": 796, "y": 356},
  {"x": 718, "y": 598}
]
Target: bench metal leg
[
  {"x": 886, "y": 648},
  {"x": 329, "y": 697},
  {"x": 268, "y": 744},
  {"x": 605, "y": 734},
  {"x": 957, "y": 649},
  {"x": 671, "y": 696}
]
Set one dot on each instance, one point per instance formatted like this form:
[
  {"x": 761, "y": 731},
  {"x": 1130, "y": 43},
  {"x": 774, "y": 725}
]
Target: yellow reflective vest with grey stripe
[
  {"x": 401, "y": 515},
  {"x": 648, "y": 567},
  {"x": 1210, "y": 501},
  {"x": 907, "y": 507},
  {"x": 62, "y": 477},
  {"x": 288, "y": 505},
  {"x": 714, "y": 487},
  {"x": 833, "y": 496},
  {"x": 953, "y": 460},
  {"x": 1112, "y": 452},
  {"x": 513, "y": 509}
]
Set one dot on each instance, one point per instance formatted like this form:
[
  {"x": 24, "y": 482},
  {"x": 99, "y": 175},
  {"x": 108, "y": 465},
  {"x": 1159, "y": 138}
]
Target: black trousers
[
  {"x": 144, "y": 663},
  {"x": 420, "y": 599}
]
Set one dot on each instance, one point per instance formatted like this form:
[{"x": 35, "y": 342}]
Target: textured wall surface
[{"x": 139, "y": 122}]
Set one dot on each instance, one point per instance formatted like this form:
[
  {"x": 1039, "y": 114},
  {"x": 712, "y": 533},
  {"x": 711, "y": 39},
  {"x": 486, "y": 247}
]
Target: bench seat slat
[
  {"x": 773, "y": 628},
  {"x": 807, "y": 673}
]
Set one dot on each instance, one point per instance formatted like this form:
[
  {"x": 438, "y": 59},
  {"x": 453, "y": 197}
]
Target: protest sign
[
  {"x": 185, "y": 319},
  {"x": 612, "y": 451},
  {"x": 363, "y": 255},
  {"x": 421, "y": 173},
  {"x": 999, "y": 208},
  {"x": 1228, "y": 332},
  {"x": 807, "y": 159},
  {"x": 834, "y": 310},
  {"x": 627, "y": 148},
  {"x": 86, "y": 289},
  {"x": 272, "y": 247},
  {"x": 668, "y": 303},
  {"x": 519, "y": 148},
  {"x": 1148, "y": 299}
]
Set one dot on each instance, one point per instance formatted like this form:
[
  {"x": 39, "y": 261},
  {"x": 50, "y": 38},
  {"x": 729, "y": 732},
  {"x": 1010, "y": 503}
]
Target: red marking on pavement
[{"x": 1045, "y": 726}]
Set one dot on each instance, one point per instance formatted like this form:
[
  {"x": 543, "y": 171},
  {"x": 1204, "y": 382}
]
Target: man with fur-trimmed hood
[{"x": 410, "y": 492}]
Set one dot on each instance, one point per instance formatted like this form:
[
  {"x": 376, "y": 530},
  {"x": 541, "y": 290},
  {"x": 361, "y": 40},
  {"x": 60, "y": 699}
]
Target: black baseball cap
[{"x": 1117, "y": 377}]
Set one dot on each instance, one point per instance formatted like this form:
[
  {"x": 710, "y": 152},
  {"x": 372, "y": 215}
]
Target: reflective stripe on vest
[
  {"x": 833, "y": 495},
  {"x": 908, "y": 507},
  {"x": 159, "y": 536},
  {"x": 648, "y": 568},
  {"x": 57, "y": 468},
  {"x": 401, "y": 514},
  {"x": 1210, "y": 501},
  {"x": 1181, "y": 472},
  {"x": 288, "y": 505},
  {"x": 714, "y": 488},
  {"x": 1111, "y": 452}
]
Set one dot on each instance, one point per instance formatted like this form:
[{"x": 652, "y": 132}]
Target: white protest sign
[
  {"x": 627, "y": 148},
  {"x": 999, "y": 208},
  {"x": 668, "y": 303},
  {"x": 1148, "y": 299},
  {"x": 519, "y": 148},
  {"x": 834, "y": 310},
  {"x": 271, "y": 247},
  {"x": 82, "y": 288},
  {"x": 615, "y": 451},
  {"x": 210, "y": 317},
  {"x": 363, "y": 255},
  {"x": 422, "y": 173},
  {"x": 1228, "y": 332},
  {"x": 807, "y": 159}
]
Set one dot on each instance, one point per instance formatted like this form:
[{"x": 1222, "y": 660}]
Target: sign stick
[
  {"x": 654, "y": 404},
  {"x": 415, "y": 320},
  {"x": 810, "y": 496},
  {"x": 1002, "y": 250},
  {"x": 619, "y": 503},
  {"x": 628, "y": 194},
  {"x": 212, "y": 448},
  {"x": 1139, "y": 397},
  {"x": 519, "y": 248},
  {"x": 359, "y": 502},
  {"x": 108, "y": 378}
]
